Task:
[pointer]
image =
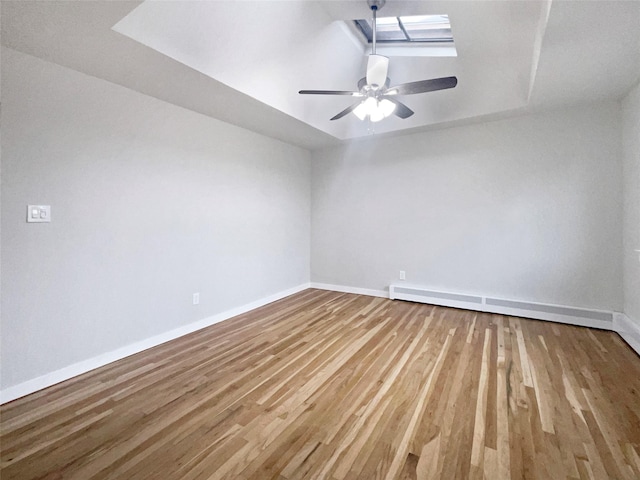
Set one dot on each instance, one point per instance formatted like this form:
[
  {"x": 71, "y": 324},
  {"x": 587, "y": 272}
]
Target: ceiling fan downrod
[{"x": 375, "y": 5}]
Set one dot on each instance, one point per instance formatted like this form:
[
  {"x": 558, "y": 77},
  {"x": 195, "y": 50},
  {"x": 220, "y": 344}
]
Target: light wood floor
[{"x": 324, "y": 385}]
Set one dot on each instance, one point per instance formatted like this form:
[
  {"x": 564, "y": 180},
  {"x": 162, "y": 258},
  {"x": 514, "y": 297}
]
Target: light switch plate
[{"x": 38, "y": 213}]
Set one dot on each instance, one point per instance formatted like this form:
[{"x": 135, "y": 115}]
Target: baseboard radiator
[{"x": 555, "y": 313}]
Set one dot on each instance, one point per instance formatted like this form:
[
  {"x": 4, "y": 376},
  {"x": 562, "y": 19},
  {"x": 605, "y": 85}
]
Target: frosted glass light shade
[
  {"x": 374, "y": 109},
  {"x": 361, "y": 111},
  {"x": 376, "y": 115},
  {"x": 387, "y": 107}
]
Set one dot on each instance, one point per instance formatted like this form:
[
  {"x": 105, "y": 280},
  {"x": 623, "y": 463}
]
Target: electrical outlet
[
  {"x": 403, "y": 276},
  {"x": 196, "y": 298}
]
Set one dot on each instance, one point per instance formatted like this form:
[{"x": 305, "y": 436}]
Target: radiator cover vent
[
  {"x": 517, "y": 308},
  {"x": 437, "y": 295}
]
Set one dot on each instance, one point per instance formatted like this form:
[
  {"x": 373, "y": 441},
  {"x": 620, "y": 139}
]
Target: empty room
[{"x": 329, "y": 240}]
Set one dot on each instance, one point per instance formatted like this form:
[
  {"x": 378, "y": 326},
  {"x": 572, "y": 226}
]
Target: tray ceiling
[{"x": 243, "y": 62}]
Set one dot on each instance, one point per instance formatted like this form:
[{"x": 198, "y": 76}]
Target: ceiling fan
[{"x": 378, "y": 98}]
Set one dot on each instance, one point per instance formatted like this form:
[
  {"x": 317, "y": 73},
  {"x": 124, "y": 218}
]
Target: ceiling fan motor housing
[{"x": 377, "y": 68}]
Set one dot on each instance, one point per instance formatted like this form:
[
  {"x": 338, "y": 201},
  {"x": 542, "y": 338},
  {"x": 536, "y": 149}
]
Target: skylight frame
[{"x": 365, "y": 28}]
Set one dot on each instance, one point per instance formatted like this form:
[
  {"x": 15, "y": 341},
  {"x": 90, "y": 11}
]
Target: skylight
[{"x": 417, "y": 28}]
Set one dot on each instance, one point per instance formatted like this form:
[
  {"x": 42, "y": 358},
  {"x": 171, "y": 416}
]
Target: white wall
[
  {"x": 631, "y": 222},
  {"x": 150, "y": 203},
  {"x": 526, "y": 208}
]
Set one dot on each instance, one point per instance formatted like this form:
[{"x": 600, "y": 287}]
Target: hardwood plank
[
  {"x": 481, "y": 405},
  {"x": 336, "y": 386},
  {"x": 423, "y": 397}
]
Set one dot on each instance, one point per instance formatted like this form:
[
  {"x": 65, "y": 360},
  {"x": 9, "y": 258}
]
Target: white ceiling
[{"x": 244, "y": 61}]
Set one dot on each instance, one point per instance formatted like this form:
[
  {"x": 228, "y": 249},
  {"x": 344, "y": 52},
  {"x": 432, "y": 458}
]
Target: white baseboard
[
  {"x": 345, "y": 289},
  {"x": 49, "y": 379},
  {"x": 628, "y": 330},
  {"x": 622, "y": 324}
]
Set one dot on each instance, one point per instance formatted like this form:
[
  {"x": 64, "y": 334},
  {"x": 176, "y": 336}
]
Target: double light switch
[{"x": 38, "y": 213}]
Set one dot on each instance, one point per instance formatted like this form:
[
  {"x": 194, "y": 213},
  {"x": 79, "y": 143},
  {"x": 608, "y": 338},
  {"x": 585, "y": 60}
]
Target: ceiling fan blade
[
  {"x": 346, "y": 111},
  {"x": 401, "y": 109},
  {"x": 329, "y": 92},
  {"x": 377, "y": 69},
  {"x": 423, "y": 86}
]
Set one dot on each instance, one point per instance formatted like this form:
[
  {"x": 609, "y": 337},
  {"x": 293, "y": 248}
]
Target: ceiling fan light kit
[
  {"x": 378, "y": 101},
  {"x": 374, "y": 109}
]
